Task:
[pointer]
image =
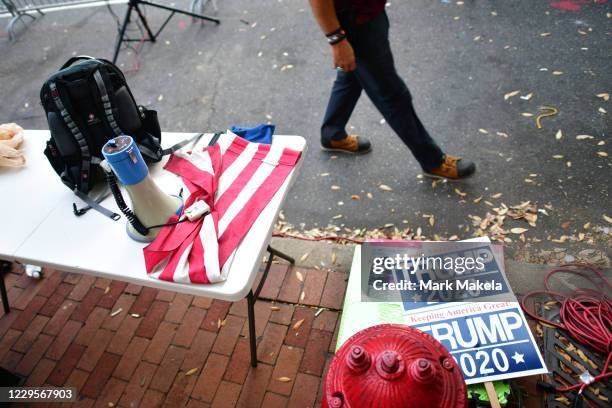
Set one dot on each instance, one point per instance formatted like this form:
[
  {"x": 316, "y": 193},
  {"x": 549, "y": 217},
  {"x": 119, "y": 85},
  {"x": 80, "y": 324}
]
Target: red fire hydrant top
[{"x": 397, "y": 366}]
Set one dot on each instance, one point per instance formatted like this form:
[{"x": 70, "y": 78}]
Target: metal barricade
[{"x": 20, "y": 9}]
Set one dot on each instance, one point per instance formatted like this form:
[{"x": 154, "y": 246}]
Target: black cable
[
  {"x": 170, "y": 223},
  {"x": 129, "y": 214},
  {"x": 131, "y": 217},
  {"x": 115, "y": 16}
]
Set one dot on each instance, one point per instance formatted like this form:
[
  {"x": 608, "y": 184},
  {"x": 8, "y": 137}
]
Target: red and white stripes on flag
[{"x": 237, "y": 179}]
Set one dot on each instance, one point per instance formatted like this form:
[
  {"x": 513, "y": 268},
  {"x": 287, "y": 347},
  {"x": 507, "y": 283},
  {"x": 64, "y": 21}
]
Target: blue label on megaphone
[{"x": 125, "y": 159}]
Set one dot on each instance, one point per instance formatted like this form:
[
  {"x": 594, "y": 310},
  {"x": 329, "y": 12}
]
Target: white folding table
[{"x": 39, "y": 227}]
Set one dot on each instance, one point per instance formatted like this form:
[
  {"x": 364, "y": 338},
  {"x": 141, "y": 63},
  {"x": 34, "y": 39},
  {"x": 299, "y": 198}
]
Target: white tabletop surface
[
  {"x": 93, "y": 244},
  {"x": 27, "y": 194}
]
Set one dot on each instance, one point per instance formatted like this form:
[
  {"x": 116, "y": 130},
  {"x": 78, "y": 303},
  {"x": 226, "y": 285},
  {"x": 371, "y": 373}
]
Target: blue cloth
[{"x": 261, "y": 133}]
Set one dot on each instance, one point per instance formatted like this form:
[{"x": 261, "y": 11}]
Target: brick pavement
[{"x": 168, "y": 349}]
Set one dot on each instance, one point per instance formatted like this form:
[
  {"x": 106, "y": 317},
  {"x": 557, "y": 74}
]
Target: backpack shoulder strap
[
  {"x": 76, "y": 132},
  {"x": 106, "y": 103},
  {"x": 95, "y": 204},
  {"x": 183, "y": 143}
]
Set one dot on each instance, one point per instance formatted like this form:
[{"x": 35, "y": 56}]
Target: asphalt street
[{"x": 479, "y": 72}]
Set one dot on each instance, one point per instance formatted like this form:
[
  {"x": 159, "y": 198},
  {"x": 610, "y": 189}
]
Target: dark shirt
[{"x": 363, "y": 10}]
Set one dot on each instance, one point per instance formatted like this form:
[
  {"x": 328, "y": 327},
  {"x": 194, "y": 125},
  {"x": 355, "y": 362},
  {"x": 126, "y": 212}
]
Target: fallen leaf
[
  {"x": 510, "y": 95},
  {"x": 602, "y": 110},
  {"x": 355, "y": 197},
  {"x": 548, "y": 111},
  {"x": 385, "y": 187},
  {"x": 135, "y": 315},
  {"x": 432, "y": 221},
  {"x": 335, "y": 188},
  {"x": 299, "y": 276},
  {"x": 527, "y": 97},
  {"x": 370, "y": 196},
  {"x": 604, "y": 96},
  {"x": 558, "y": 156},
  {"x": 496, "y": 195},
  {"x": 460, "y": 193},
  {"x": 609, "y": 219},
  {"x": 106, "y": 290},
  {"x": 274, "y": 308},
  {"x": 518, "y": 230},
  {"x": 602, "y": 154},
  {"x": 333, "y": 258},
  {"x": 527, "y": 114},
  {"x": 298, "y": 324},
  {"x": 544, "y": 34},
  {"x": 191, "y": 372},
  {"x": 303, "y": 258},
  {"x": 557, "y": 72},
  {"x": 116, "y": 312},
  {"x": 477, "y": 200},
  {"x": 283, "y": 379},
  {"x": 584, "y": 137},
  {"x": 483, "y": 131},
  {"x": 559, "y": 134}
]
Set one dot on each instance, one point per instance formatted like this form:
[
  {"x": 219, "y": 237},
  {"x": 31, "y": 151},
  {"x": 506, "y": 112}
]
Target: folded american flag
[{"x": 237, "y": 179}]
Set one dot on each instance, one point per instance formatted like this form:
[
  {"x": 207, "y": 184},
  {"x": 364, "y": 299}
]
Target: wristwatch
[{"x": 335, "y": 36}]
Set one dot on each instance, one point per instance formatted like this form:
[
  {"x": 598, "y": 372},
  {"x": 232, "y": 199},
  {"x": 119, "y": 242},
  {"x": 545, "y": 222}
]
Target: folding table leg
[
  {"x": 252, "y": 298},
  {"x": 4, "y": 267},
  {"x": 284, "y": 256},
  {"x": 252, "y": 339}
]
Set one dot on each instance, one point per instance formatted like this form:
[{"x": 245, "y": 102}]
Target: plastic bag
[{"x": 11, "y": 136}]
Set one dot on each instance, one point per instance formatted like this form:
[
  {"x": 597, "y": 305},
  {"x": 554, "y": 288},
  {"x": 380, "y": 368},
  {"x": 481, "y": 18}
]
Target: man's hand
[{"x": 343, "y": 56}]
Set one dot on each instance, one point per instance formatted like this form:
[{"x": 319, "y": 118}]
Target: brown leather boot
[
  {"x": 452, "y": 168},
  {"x": 350, "y": 144}
]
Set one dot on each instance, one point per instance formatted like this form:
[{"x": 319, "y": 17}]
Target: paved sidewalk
[{"x": 171, "y": 349}]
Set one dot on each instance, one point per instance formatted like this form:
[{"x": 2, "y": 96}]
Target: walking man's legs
[
  {"x": 377, "y": 75},
  {"x": 360, "y": 50},
  {"x": 344, "y": 96}
]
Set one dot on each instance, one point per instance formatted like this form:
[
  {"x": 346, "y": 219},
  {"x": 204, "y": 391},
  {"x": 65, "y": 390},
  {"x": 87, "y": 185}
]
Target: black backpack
[{"x": 87, "y": 102}]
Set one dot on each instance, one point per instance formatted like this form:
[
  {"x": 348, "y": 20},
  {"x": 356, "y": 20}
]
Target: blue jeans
[{"x": 376, "y": 75}]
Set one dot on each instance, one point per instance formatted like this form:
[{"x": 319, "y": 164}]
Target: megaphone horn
[{"x": 151, "y": 207}]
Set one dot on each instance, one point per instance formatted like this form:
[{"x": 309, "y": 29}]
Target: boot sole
[
  {"x": 438, "y": 177},
  {"x": 334, "y": 150}
]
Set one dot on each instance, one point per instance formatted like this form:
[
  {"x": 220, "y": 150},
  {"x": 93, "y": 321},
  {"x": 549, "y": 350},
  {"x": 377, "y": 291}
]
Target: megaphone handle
[{"x": 129, "y": 214}]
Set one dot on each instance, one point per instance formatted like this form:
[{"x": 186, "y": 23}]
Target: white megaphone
[{"x": 151, "y": 207}]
